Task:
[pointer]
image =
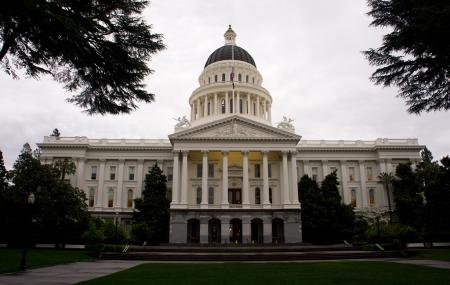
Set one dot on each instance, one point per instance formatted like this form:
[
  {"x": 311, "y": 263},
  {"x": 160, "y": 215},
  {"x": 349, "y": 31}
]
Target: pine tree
[
  {"x": 152, "y": 215},
  {"x": 3, "y": 173}
]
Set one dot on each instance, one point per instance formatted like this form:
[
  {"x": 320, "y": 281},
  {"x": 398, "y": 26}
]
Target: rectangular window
[
  {"x": 211, "y": 170},
  {"x": 369, "y": 173},
  {"x": 110, "y": 197},
  {"x": 93, "y": 172},
  {"x": 223, "y": 77},
  {"x": 199, "y": 170},
  {"x": 112, "y": 173},
  {"x": 351, "y": 173},
  {"x": 353, "y": 197},
  {"x": 91, "y": 199},
  {"x": 169, "y": 173},
  {"x": 257, "y": 171},
  {"x": 371, "y": 196},
  {"x": 314, "y": 173},
  {"x": 130, "y": 198},
  {"x": 131, "y": 170}
]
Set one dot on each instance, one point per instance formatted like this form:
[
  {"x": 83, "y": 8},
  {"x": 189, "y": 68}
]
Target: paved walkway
[
  {"x": 67, "y": 273},
  {"x": 81, "y": 271}
]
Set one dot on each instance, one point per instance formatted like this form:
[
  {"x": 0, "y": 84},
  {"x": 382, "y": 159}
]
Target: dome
[{"x": 224, "y": 53}]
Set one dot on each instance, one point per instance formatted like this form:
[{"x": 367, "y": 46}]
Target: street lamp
[{"x": 30, "y": 201}]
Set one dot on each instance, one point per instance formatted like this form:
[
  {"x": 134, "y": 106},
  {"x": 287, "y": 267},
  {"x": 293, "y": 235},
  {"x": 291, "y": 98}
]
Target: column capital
[
  {"x": 264, "y": 152},
  {"x": 185, "y": 152},
  {"x": 225, "y": 152},
  {"x": 140, "y": 160},
  {"x": 343, "y": 161},
  {"x": 361, "y": 161},
  {"x": 324, "y": 161},
  {"x": 204, "y": 151},
  {"x": 245, "y": 152},
  {"x": 103, "y": 160},
  {"x": 285, "y": 152},
  {"x": 121, "y": 160}
]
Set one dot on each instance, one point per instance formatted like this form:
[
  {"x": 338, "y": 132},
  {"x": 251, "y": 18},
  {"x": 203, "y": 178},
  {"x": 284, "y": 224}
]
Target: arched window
[
  {"x": 371, "y": 197},
  {"x": 240, "y": 106},
  {"x": 223, "y": 106},
  {"x": 209, "y": 80},
  {"x": 257, "y": 196},
  {"x": 130, "y": 198},
  {"x": 215, "y": 78},
  {"x": 353, "y": 198},
  {"x": 211, "y": 195},
  {"x": 199, "y": 195},
  {"x": 246, "y": 78},
  {"x": 223, "y": 77},
  {"x": 270, "y": 195},
  {"x": 91, "y": 196},
  {"x": 110, "y": 197},
  {"x": 253, "y": 79},
  {"x": 239, "y": 77},
  {"x": 209, "y": 108},
  {"x": 231, "y": 105}
]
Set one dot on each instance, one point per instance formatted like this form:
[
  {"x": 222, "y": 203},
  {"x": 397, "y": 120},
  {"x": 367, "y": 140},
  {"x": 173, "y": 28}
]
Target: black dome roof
[{"x": 224, "y": 53}]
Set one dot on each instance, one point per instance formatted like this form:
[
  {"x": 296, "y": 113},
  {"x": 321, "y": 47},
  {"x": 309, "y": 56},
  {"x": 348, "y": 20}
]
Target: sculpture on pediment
[
  {"x": 183, "y": 122},
  {"x": 286, "y": 124}
]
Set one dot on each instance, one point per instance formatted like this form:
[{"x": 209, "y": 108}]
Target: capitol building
[{"x": 232, "y": 173}]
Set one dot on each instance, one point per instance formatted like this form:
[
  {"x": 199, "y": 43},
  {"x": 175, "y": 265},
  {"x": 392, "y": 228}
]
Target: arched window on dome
[
  {"x": 246, "y": 78},
  {"x": 209, "y": 108},
  {"x": 223, "y": 77},
  {"x": 240, "y": 106},
  {"x": 253, "y": 79},
  {"x": 231, "y": 105},
  {"x": 209, "y": 80},
  {"x": 239, "y": 77},
  {"x": 215, "y": 78},
  {"x": 222, "y": 103}
]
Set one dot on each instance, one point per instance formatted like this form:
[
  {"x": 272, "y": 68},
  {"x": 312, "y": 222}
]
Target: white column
[
  {"x": 192, "y": 112},
  {"x": 238, "y": 108},
  {"x": 225, "y": 179},
  {"x": 101, "y": 180},
  {"x": 204, "y": 202},
  {"x": 227, "y": 103},
  {"x": 265, "y": 180},
  {"x": 80, "y": 173},
  {"x": 198, "y": 109},
  {"x": 175, "y": 179},
  {"x": 362, "y": 175},
  {"x": 245, "y": 188},
  {"x": 265, "y": 109},
  {"x": 248, "y": 111},
  {"x": 119, "y": 192},
  {"x": 140, "y": 177},
  {"x": 184, "y": 178},
  {"x": 389, "y": 167},
  {"x": 344, "y": 176},
  {"x": 257, "y": 106},
  {"x": 205, "y": 108},
  {"x": 215, "y": 104},
  {"x": 270, "y": 113},
  {"x": 294, "y": 182},
  {"x": 382, "y": 166},
  {"x": 285, "y": 179}
]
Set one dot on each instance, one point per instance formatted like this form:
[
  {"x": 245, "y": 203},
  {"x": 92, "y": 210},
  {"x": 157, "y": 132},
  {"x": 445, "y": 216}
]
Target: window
[
  {"x": 110, "y": 197},
  {"x": 215, "y": 78},
  {"x": 169, "y": 173},
  {"x": 210, "y": 170},
  {"x": 130, "y": 198},
  {"x": 369, "y": 173},
  {"x": 270, "y": 195},
  {"x": 223, "y": 106},
  {"x": 112, "y": 173},
  {"x": 223, "y": 77},
  {"x": 351, "y": 173},
  {"x": 93, "y": 172},
  {"x": 231, "y": 105},
  {"x": 209, "y": 80},
  {"x": 209, "y": 108},
  {"x": 371, "y": 196},
  {"x": 240, "y": 106},
  {"x": 239, "y": 77},
  {"x": 314, "y": 173},
  {"x": 254, "y": 109},
  {"x": 257, "y": 171},
  {"x": 270, "y": 170},
  {"x": 353, "y": 197},
  {"x": 257, "y": 196},
  {"x": 131, "y": 173},
  {"x": 199, "y": 196},
  {"x": 246, "y": 78},
  {"x": 199, "y": 170},
  {"x": 211, "y": 195},
  {"x": 91, "y": 199},
  {"x": 253, "y": 79}
]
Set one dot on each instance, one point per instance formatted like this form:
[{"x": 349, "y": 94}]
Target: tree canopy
[
  {"x": 415, "y": 55},
  {"x": 98, "y": 49}
]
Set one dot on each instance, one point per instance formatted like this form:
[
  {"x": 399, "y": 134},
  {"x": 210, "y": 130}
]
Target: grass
[
  {"x": 10, "y": 258},
  {"x": 435, "y": 253},
  {"x": 278, "y": 273}
]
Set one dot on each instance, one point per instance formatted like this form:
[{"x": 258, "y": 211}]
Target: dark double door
[{"x": 234, "y": 196}]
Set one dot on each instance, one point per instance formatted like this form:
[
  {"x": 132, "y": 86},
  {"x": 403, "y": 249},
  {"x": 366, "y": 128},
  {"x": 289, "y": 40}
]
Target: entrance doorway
[
  {"x": 235, "y": 231},
  {"x": 214, "y": 231},
  {"x": 277, "y": 230},
  {"x": 234, "y": 196},
  {"x": 257, "y": 231},
  {"x": 193, "y": 231}
]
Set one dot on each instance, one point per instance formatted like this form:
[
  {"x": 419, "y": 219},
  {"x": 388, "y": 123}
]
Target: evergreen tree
[
  {"x": 324, "y": 218},
  {"x": 64, "y": 167},
  {"x": 99, "y": 48},
  {"x": 3, "y": 174},
  {"x": 386, "y": 179},
  {"x": 152, "y": 215},
  {"x": 409, "y": 204},
  {"x": 415, "y": 55}
]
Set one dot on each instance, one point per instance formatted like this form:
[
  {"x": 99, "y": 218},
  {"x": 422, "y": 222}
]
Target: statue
[
  {"x": 286, "y": 124},
  {"x": 182, "y": 122}
]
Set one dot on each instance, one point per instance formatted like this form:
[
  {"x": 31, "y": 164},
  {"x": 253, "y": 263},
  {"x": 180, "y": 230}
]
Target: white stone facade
[{"x": 232, "y": 176}]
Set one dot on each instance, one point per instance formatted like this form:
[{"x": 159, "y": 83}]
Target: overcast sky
[{"x": 308, "y": 52}]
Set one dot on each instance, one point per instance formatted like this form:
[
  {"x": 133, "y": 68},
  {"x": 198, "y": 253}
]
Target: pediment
[{"x": 234, "y": 128}]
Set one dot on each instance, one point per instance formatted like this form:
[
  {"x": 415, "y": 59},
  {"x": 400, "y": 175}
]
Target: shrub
[{"x": 396, "y": 233}]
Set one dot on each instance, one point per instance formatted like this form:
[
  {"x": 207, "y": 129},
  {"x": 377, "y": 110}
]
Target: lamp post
[{"x": 23, "y": 260}]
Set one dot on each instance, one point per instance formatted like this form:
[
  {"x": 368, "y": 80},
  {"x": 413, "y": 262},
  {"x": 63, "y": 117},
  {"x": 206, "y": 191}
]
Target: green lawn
[
  {"x": 435, "y": 253},
  {"x": 10, "y": 258},
  {"x": 278, "y": 273}
]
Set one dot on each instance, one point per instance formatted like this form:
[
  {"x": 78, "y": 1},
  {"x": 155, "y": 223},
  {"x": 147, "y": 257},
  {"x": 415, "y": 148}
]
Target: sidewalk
[
  {"x": 423, "y": 262},
  {"x": 67, "y": 273}
]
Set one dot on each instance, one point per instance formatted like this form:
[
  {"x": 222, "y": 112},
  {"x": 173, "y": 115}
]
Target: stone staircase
[{"x": 247, "y": 253}]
